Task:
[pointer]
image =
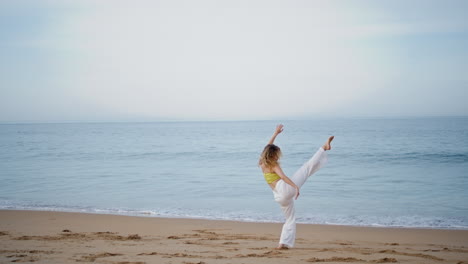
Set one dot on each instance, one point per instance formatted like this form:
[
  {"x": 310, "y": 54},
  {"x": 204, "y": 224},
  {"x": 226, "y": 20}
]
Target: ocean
[{"x": 391, "y": 172}]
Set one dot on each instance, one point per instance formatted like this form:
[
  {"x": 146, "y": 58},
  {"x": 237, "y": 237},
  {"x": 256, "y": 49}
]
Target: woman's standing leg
[
  {"x": 288, "y": 233},
  {"x": 284, "y": 194}
]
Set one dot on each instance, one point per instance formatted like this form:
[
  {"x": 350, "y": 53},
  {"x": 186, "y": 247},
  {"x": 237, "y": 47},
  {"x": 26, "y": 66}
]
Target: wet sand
[{"x": 57, "y": 237}]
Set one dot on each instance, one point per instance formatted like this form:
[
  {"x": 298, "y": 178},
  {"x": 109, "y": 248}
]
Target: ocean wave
[{"x": 409, "y": 221}]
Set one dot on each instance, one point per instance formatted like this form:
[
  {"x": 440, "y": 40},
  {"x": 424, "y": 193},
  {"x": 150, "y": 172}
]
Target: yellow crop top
[{"x": 271, "y": 177}]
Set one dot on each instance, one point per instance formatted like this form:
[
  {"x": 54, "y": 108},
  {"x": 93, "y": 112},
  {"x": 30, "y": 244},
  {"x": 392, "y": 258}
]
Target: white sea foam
[{"x": 369, "y": 221}]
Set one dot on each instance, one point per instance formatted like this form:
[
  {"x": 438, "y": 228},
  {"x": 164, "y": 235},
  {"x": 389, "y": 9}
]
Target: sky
[{"x": 111, "y": 60}]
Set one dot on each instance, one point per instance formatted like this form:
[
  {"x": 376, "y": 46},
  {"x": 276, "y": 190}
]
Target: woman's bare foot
[
  {"x": 282, "y": 246},
  {"x": 327, "y": 145}
]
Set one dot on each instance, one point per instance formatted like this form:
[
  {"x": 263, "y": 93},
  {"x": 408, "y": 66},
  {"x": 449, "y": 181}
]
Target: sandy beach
[{"x": 58, "y": 237}]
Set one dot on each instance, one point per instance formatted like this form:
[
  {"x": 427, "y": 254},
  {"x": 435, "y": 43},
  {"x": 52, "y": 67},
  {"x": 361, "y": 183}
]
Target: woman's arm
[
  {"x": 277, "y": 169},
  {"x": 279, "y": 129}
]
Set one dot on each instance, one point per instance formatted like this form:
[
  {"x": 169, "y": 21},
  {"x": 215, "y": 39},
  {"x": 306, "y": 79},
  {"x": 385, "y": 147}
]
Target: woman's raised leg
[{"x": 317, "y": 161}]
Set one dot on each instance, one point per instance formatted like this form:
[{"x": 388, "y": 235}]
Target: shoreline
[
  {"x": 68, "y": 237},
  {"x": 150, "y": 215}
]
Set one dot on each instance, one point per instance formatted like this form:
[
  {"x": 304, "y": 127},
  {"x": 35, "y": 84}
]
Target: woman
[{"x": 284, "y": 188}]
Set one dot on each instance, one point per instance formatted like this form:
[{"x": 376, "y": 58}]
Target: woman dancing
[{"x": 284, "y": 188}]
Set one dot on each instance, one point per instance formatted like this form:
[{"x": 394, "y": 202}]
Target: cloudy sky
[{"x": 231, "y": 60}]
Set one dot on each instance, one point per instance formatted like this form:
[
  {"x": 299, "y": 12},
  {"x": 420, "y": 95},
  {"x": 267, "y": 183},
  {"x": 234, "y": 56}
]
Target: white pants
[{"x": 284, "y": 195}]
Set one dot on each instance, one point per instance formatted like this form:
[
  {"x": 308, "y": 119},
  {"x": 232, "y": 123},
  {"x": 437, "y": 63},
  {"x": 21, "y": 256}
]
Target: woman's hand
[
  {"x": 279, "y": 129},
  {"x": 297, "y": 193}
]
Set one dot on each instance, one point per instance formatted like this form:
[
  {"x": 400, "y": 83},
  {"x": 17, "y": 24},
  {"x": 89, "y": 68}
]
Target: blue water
[{"x": 381, "y": 172}]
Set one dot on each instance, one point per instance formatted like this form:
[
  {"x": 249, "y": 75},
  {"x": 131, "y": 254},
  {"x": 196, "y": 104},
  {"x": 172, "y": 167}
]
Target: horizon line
[{"x": 226, "y": 120}]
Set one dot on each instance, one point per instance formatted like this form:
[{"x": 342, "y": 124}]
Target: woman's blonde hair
[{"x": 270, "y": 156}]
